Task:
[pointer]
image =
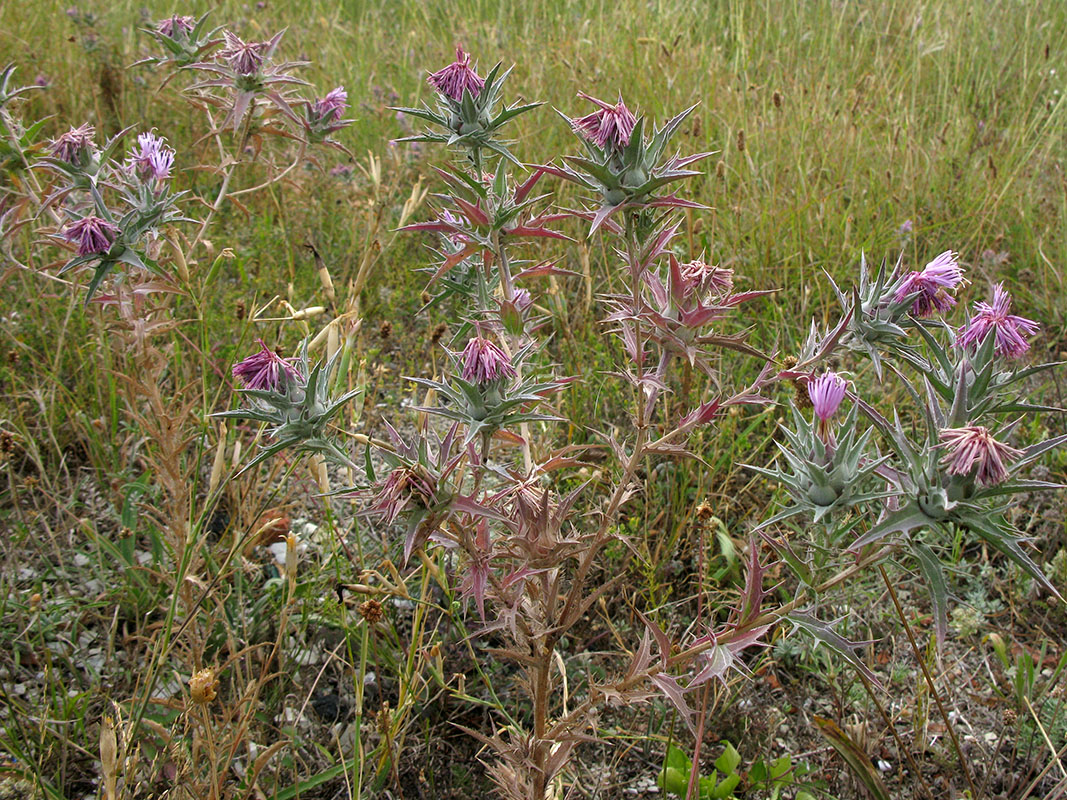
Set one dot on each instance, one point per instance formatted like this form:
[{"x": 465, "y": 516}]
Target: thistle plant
[{"x": 947, "y": 469}]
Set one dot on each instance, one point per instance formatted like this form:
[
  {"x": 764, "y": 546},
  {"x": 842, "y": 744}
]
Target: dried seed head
[
  {"x": 203, "y": 686},
  {"x": 109, "y": 749},
  {"x": 7, "y": 443},
  {"x": 740, "y": 141},
  {"x": 371, "y": 611},
  {"x": 704, "y": 511},
  {"x": 438, "y": 332},
  {"x": 426, "y": 298},
  {"x": 240, "y": 309},
  {"x": 13, "y": 357},
  {"x": 1010, "y": 717},
  {"x": 777, "y": 98},
  {"x": 386, "y": 330},
  {"x": 720, "y": 169}
]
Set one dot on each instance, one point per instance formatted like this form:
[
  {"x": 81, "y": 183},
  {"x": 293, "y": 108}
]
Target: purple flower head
[
  {"x": 1010, "y": 330},
  {"x": 826, "y": 393},
  {"x": 906, "y": 227},
  {"x": 932, "y": 285},
  {"x": 333, "y": 106},
  {"x": 708, "y": 277},
  {"x": 484, "y": 362},
  {"x": 91, "y": 234},
  {"x": 244, "y": 58},
  {"x": 974, "y": 447},
  {"x": 610, "y": 126},
  {"x": 74, "y": 145},
  {"x": 175, "y": 26},
  {"x": 266, "y": 371},
  {"x": 457, "y": 77},
  {"x": 152, "y": 158}
]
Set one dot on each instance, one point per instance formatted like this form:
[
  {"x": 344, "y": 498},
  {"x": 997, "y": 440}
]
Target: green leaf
[
  {"x": 934, "y": 575},
  {"x": 729, "y": 761}
]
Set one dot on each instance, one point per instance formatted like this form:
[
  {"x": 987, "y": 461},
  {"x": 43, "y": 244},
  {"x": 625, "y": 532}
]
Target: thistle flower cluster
[
  {"x": 468, "y": 113},
  {"x": 295, "y": 399},
  {"x": 115, "y": 211},
  {"x": 950, "y": 471},
  {"x": 182, "y": 39},
  {"x": 622, "y": 167}
]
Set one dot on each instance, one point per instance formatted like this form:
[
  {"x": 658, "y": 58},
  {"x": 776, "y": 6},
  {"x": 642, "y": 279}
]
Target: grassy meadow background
[{"x": 832, "y": 123}]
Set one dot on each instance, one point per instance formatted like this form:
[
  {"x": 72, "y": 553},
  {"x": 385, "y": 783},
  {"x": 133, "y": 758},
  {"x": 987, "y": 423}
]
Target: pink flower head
[
  {"x": 91, "y": 234},
  {"x": 152, "y": 158},
  {"x": 333, "y": 105},
  {"x": 266, "y": 370},
  {"x": 457, "y": 77},
  {"x": 175, "y": 26},
  {"x": 826, "y": 393},
  {"x": 244, "y": 58},
  {"x": 932, "y": 285},
  {"x": 708, "y": 277},
  {"x": 974, "y": 447},
  {"x": 484, "y": 362},
  {"x": 74, "y": 145},
  {"x": 1010, "y": 330},
  {"x": 610, "y": 126}
]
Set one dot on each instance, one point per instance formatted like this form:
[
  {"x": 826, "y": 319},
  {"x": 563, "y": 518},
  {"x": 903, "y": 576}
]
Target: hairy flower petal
[{"x": 1010, "y": 330}]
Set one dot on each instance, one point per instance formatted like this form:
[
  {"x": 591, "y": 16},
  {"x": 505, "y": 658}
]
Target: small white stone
[{"x": 81, "y": 560}]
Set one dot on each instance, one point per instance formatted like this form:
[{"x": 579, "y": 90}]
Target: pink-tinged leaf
[
  {"x": 454, "y": 259},
  {"x": 685, "y": 161},
  {"x": 662, "y": 641},
  {"x": 752, "y": 597},
  {"x": 642, "y": 657},
  {"x": 468, "y": 505},
  {"x": 537, "y": 232},
  {"x": 527, "y": 185},
  {"x": 673, "y": 201},
  {"x": 543, "y": 269},
  {"x": 659, "y": 244},
  {"x": 701, "y": 415},
  {"x": 677, "y": 282},
  {"x": 673, "y": 691},
  {"x": 472, "y": 212},
  {"x": 602, "y": 215},
  {"x": 435, "y": 226},
  {"x": 508, "y": 437}
]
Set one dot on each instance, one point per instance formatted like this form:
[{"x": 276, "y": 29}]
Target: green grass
[{"x": 831, "y": 124}]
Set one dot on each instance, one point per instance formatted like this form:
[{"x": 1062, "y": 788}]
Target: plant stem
[{"x": 930, "y": 682}]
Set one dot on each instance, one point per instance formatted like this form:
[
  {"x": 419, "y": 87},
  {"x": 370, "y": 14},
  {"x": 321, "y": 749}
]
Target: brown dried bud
[
  {"x": 740, "y": 141},
  {"x": 438, "y": 332},
  {"x": 777, "y": 98},
  {"x": 386, "y": 330},
  {"x": 203, "y": 686},
  {"x": 1010, "y": 717},
  {"x": 704, "y": 511},
  {"x": 240, "y": 309},
  {"x": 426, "y": 298},
  {"x": 371, "y": 611},
  {"x": 7, "y": 443},
  {"x": 720, "y": 169},
  {"x": 13, "y": 357}
]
